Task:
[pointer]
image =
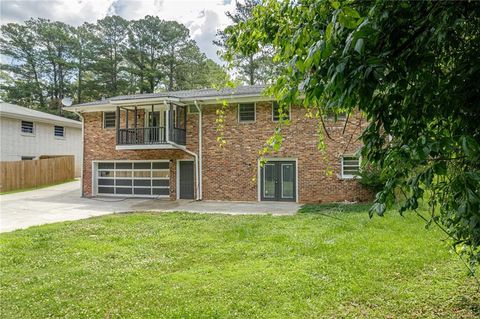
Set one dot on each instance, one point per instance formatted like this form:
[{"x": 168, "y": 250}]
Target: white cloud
[{"x": 203, "y": 18}]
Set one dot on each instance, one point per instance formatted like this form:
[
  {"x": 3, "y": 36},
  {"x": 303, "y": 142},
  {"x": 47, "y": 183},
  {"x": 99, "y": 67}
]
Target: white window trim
[
  {"x": 273, "y": 159},
  {"x": 34, "y": 127},
  {"x": 342, "y": 175},
  {"x": 103, "y": 120},
  {"x": 254, "y": 113},
  {"x": 289, "y": 113}
]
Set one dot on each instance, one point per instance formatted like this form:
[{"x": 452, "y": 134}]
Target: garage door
[{"x": 134, "y": 179}]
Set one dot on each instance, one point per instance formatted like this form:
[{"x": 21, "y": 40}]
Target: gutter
[
  {"x": 184, "y": 148},
  {"x": 200, "y": 157}
]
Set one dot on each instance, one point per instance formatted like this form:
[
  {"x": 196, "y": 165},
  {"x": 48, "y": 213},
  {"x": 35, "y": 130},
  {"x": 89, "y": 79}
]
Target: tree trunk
[
  {"x": 79, "y": 89},
  {"x": 251, "y": 70}
]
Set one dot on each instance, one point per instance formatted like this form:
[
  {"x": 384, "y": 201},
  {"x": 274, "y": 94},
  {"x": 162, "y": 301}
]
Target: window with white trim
[
  {"x": 350, "y": 166},
  {"x": 28, "y": 127},
  {"x": 276, "y": 112},
  {"x": 246, "y": 112},
  {"x": 109, "y": 119},
  {"x": 59, "y": 131}
]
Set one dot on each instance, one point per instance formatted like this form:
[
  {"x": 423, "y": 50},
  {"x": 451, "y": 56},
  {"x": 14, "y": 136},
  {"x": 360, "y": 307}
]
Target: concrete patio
[{"x": 63, "y": 203}]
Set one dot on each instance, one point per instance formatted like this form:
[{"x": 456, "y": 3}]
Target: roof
[
  {"x": 25, "y": 113},
  {"x": 184, "y": 96}
]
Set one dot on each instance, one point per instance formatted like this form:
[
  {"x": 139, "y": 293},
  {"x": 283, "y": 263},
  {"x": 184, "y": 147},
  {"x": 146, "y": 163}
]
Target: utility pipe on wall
[
  {"x": 200, "y": 159},
  {"x": 83, "y": 147}
]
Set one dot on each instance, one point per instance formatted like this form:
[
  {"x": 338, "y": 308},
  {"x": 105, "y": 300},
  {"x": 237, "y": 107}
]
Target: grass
[
  {"x": 37, "y": 187},
  {"x": 332, "y": 262}
]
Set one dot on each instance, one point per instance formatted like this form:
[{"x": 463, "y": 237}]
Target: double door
[{"x": 278, "y": 181}]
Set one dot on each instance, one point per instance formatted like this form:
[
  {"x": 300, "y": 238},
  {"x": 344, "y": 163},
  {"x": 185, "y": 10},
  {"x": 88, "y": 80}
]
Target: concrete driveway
[{"x": 63, "y": 203}]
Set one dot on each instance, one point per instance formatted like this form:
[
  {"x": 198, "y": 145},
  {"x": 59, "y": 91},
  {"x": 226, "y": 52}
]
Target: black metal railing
[
  {"x": 141, "y": 136},
  {"x": 179, "y": 136}
]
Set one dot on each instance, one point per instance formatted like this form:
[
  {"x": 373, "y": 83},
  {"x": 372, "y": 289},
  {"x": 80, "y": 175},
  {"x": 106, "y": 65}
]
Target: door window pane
[
  {"x": 287, "y": 181},
  {"x": 269, "y": 181},
  {"x": 103, "y": 181},
  {"x": 123, "y": 165},
  {"x": 161, "y": 191},
  {"x": 142, "y": 174},
  {"x": 106, "y": 174},
  {"x": 106, "y": 190},
  {"x": 161, "y": 174},
  {"x": 123, "y": 174},
  {"x": 141, "y": 165},
  {"x": 160, "y": 165},
  {"x": 105, "y": 165},
  {"x": 123, "y": 190}
]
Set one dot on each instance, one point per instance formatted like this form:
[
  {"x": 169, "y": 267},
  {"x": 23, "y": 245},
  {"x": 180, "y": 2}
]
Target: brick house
[{"x": 164, "y": 145}]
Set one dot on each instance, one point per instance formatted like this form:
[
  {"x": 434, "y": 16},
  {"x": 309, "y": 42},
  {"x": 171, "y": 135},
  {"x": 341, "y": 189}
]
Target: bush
[{"x": 371, "y": 177}]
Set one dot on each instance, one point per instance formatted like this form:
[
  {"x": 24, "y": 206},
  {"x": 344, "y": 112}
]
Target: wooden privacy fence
[{"x": 30, "y": 174}]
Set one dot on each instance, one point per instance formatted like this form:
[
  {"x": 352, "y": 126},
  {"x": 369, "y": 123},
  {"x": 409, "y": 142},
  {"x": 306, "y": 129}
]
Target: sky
[{"x": 202, "y": 17}]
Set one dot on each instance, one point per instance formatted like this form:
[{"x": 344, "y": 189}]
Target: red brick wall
[{"x": 230, "y": 173}]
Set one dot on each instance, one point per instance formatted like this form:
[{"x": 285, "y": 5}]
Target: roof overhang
[
  {"x": 214, "y": 100},
  {"x": 36, "y": 119}
]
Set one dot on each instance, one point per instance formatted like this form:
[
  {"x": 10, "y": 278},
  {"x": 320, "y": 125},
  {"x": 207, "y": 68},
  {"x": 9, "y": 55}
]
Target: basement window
[
  {"x": 246, "y": 112},
  {"x": 109, "y": 119},
  {"x": 350, "y": 166}
]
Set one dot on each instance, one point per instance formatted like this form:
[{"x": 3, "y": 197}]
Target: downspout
[
  {"x": 83, "y": 148},
  {"x": 184, "y": 148},
  {"x": 200, "y": 158}
]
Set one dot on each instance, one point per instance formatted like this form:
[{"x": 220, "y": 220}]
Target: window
[
  {"x": 246, "y": 112},
  {"x": 28, "y": 127},
  {"x": 350, "y": 166},
  {"x": 59, "y": 131},
  {"x": 109, "y": 119},
  {"x": 276, "y": 112},
  {"x": 28, "y": 158}
]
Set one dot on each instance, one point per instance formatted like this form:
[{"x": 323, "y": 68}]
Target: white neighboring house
[{"x": 27, "y": 134}]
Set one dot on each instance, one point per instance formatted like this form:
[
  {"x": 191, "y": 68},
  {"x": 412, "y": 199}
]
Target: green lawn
[{"x": 334, "y": 263}]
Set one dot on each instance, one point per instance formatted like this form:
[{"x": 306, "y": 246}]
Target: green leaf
[
  {"x": 359, "y": 46},
  {"x": 335, "y": 4},
  {"x": 470, "y": 146},
  {"x": 329, "y": 30}
]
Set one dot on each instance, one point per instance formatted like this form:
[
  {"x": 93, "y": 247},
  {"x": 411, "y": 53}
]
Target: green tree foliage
[
  {"x": 254, "y": 67},
  {"x": 47, "y": 61},
  {"x": 413, "y": 69}
]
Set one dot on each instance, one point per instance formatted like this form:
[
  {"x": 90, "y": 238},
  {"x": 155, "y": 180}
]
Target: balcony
[
  {"x": 141, "y": 136},
  {"x": 153, "y": 127}
]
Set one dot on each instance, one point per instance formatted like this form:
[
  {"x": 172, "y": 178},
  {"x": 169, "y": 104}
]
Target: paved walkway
[{"x": 63, "y": 202}]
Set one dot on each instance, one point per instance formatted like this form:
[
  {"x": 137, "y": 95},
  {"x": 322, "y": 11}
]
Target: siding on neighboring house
[
  {"x": 14, "y": 144},
  {"x": 230, "y": 173}
]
